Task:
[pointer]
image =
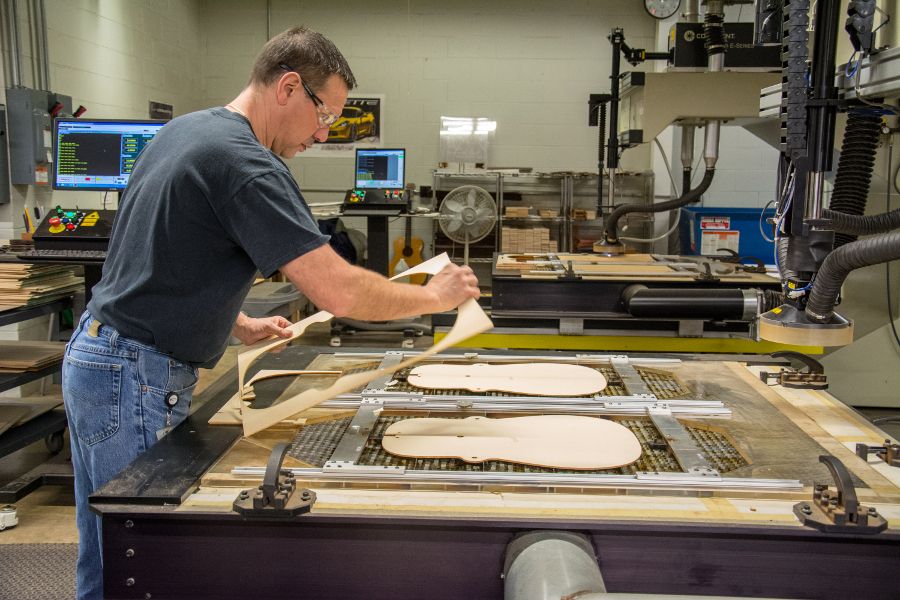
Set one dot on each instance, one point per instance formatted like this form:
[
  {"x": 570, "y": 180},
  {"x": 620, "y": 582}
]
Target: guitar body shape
[{"x": 554, "y": 441}]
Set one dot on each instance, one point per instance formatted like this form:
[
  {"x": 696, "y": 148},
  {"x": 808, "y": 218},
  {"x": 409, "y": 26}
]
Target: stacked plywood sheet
[
  {"x": 18, "y": 356},
  {"x": 536, "y": 239},
  {"x": 23, "y": 284}
]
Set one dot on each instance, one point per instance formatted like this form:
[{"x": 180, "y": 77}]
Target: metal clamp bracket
[
  {"x": 888, "y": 452},
  {"x": 838, "y": 511},
  {"x": 805, "y": 372},
  {"x": 278, "y": 495}
]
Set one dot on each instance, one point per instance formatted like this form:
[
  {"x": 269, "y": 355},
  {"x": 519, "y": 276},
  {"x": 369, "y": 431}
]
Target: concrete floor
[{"x": 48, "y": 514}]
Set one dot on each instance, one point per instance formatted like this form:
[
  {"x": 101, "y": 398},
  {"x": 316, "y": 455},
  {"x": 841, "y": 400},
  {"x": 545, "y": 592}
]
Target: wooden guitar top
[
  {"x": 555, "y": 441},
  {"x": 533, "y": 379}
]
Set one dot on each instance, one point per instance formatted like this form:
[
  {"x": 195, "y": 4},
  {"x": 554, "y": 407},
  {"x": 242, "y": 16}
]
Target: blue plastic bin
[{"x": 725, "y": 227}]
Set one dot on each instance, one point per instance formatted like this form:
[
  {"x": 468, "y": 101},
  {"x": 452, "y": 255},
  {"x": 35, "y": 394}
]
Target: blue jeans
[{"x": 117, "y": 394}]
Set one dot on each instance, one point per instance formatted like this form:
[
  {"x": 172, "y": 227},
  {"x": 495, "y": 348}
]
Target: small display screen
[
  {"x": 380, "y": 168},
  {"x": 99, "y": 154}
]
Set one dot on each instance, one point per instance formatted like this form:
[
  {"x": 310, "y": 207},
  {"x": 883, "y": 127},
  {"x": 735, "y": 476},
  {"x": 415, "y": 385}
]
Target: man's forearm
[
  {"x": 345, "y": 290},
  {"x": 374, "y": 298}
]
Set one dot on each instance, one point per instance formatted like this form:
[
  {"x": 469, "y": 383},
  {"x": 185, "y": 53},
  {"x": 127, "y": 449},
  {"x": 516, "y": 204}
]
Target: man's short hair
[{"x": 307, "y": 52}]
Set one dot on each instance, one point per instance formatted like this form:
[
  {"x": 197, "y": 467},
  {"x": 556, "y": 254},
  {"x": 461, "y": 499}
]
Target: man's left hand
[{"x": 251, "y": 330}]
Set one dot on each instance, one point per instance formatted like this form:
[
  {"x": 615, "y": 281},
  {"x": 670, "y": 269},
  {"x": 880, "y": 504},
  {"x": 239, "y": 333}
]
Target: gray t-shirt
[{"x": 206, "y": 207}]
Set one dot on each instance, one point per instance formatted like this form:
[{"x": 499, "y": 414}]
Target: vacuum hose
[
  {"x": 843, "y": 223},
  {"x": 609, "y": 229},
  {"x": 854, "y": 171},
  {"x": 838, "y": 265},
  {"x": 691, "y": 303}
]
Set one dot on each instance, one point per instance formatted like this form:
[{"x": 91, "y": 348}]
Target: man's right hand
[{"x": 453, "y": 286}]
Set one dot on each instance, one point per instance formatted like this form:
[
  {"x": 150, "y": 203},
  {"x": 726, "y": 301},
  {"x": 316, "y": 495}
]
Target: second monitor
[{"x": 380, "y": 168}]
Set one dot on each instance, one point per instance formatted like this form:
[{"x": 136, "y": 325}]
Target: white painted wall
[
  {"x": 528, "y": 65},
  {"x": 113, "y": 57}
]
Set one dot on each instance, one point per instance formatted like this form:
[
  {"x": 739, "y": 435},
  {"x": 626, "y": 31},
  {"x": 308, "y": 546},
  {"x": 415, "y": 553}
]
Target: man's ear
[{"x": 286, "y": 86}]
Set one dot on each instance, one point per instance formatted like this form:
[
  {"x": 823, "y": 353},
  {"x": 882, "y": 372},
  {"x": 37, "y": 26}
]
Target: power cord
[
  {"x": 887, "y": 265},
  {"x": 674, "y": 190}
]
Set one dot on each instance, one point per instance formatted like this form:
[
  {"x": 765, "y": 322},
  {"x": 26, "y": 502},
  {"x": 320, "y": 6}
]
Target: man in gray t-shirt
[{"x": 210, "y": 203}]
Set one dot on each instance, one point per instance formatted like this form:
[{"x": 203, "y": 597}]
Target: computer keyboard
[{"x": 63, "y": 255}]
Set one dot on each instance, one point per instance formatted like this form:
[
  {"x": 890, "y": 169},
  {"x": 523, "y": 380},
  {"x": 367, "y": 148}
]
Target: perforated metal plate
[{"x": 314, "y": 445}]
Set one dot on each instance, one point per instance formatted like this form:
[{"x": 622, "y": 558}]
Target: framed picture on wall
[{"x": 359, "y": 126}]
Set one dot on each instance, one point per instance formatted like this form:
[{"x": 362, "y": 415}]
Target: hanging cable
[
  {"x": 887, "y": 265},
  {"x": 674, "y": 226}
]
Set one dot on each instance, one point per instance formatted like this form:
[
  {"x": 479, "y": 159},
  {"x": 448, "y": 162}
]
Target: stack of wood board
[
  {"x": 19, "y": 356},
  {"x": 23, "y": 284},
  {"x": 537, "y": 239},
  {"x": 517, "y": 211}
]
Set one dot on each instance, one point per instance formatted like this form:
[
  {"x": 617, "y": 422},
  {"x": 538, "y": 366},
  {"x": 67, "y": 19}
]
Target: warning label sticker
[
  {"x": 712, "y": 241},
  {"x": 720, "y": 223}
]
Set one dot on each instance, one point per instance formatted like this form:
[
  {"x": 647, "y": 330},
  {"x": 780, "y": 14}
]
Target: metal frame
[{"x": 375, "y": 398}]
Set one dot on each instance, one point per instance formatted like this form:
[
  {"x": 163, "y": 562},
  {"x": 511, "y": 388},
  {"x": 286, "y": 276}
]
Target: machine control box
[
  {"x": 74, "y": 229},
  {"x": 31, "y": 132},
  {"x": 368, "y": 199}
]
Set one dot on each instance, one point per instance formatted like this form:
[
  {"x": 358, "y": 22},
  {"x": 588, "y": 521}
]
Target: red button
[
  {"x": 54, "y": 221},
  {"x": 70, "y": 226}
]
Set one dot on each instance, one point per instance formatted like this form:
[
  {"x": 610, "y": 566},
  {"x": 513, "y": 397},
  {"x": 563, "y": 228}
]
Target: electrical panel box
[
  {"x": 31, "y": 133},
  {"x": 4, "y": 155}
]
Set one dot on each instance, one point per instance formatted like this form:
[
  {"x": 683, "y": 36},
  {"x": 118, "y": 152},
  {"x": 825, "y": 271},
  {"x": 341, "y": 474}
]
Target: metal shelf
[
  {"x": 534, "y": 218},
  {"x": 23, "y": 313}
]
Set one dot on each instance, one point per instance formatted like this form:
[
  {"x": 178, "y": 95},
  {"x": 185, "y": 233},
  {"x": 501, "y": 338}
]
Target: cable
[
  {"x": 104, "y": 199},
  {"x": 859, "y": 93},
  {"x": 674, "y": 189},
  {"x": 896, "y": 173},
  {"x": 668, "y": 166},
  {"x": 659, "y": 237},
  {"x": 762, "y": 214},
  {"x": 891, "y": 419},
  {"x": 887, "y": 265}
]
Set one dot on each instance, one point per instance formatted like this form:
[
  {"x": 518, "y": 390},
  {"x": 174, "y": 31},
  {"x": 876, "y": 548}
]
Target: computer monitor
[
  {"x": 380, "y": 168},
  {"x": 98, "y": 154}
]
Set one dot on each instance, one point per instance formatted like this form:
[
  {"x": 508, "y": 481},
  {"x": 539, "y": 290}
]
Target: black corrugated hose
[
  {"x": 609, "y": 228},
  {"x": 840, "y": 262},
  {"x": 854, "y": 171},
  {"x": 843, "y": 223}
]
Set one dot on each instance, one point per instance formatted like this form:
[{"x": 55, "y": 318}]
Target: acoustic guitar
[{"x": 407, "y": 254}]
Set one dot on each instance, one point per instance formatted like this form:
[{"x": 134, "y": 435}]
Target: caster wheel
[
  {"x": 335, "y": 342},
  {"x": 54, "y": 442},
  {"x": 407, "y": 343}
]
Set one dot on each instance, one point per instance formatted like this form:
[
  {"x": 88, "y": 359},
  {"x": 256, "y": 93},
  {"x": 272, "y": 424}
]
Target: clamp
[
  {"x": 278, "y": 495},
  {"x": 888, "y": 452},
  {"x": 805, "y": 372},
  {"x": 838, "y": 511}
]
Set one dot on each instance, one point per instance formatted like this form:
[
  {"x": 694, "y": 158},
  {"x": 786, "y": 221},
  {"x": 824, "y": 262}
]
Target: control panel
[
  {"x": 375, "y": 199},
  {"x": 75, "y": 229},
  {"x": 374, "y": 196}
]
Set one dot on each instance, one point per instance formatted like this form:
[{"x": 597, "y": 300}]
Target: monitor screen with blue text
[
  {"x": 98, "y": 154},
  {"x": 380, "y": 168}
]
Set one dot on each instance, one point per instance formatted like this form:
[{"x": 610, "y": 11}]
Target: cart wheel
[
  {"x": 407, "y": 342},
  {"x": 54, "y": 442},
  {"x": 335, "y": 341}
]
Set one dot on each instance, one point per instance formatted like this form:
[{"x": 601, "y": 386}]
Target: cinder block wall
[
  {"x": 113, "y": 57},
  {"x": 528, "y": 65}
]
